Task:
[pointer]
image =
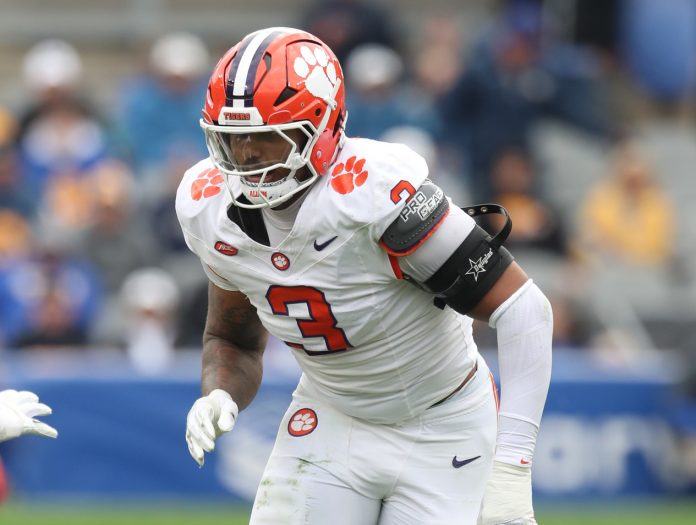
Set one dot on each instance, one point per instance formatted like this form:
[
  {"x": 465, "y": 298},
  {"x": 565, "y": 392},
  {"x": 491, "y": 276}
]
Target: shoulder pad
[{"x": 419, "y": 217}]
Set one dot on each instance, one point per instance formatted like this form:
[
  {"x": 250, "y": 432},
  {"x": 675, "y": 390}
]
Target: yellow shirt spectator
[{"x": 628, "y": 215}]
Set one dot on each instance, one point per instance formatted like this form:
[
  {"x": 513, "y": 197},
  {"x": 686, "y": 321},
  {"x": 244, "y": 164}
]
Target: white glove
[
  {"x": 508, "y": 496},
  {"x": 209, "y": 417},
  {"x": 17, "y": 412}
]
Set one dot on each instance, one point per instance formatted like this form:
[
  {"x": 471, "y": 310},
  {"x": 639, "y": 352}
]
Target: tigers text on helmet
[{"x": 275, "y": 104}]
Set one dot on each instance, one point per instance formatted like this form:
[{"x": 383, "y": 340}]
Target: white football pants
[{"x": 339, "y": 470}]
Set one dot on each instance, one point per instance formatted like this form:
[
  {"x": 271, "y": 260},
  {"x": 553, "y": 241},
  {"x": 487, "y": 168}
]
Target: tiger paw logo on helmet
[
  {"x": 346, "y": 177},
  {"x": 317, "y": 70},
  {"x": 207, "y": 184}
]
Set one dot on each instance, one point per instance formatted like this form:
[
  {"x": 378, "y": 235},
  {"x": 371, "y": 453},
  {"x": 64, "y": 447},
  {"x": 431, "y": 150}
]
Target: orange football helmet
[{"x": 275, "y": 104}]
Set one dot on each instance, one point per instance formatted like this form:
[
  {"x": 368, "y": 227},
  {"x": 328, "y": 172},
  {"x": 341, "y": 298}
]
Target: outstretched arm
[{"x": 233, "y": 345}]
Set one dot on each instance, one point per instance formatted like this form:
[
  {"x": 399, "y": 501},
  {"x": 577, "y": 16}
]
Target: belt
[{"x": 468, "y": 377}]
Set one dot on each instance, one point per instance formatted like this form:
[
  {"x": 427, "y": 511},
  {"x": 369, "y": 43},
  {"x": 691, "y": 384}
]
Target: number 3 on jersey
[{"x": 321, "y": 322}]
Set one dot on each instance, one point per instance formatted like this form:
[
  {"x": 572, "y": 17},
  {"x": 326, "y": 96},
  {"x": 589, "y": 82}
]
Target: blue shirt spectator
[{"x": 159, "y": 111}]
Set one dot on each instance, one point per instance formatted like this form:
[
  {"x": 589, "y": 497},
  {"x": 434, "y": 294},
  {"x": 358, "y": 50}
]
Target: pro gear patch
[{"x": 418, "y": 219}]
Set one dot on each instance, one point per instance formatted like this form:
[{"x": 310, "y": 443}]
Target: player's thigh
[
  {"x": 308, "y": 477},
  {"x": 444, "y": 481},
  {"x": 294, "y": 491}
]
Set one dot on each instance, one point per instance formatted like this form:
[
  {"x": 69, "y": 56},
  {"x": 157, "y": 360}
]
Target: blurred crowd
[{"x": 553, "y": 122}]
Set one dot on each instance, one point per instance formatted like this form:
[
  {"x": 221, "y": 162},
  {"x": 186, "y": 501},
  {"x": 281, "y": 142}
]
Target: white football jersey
[{"x": 370, "y": 344}]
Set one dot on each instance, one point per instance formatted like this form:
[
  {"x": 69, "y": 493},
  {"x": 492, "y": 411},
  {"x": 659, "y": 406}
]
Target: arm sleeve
[{"x": 524, "y": 324}]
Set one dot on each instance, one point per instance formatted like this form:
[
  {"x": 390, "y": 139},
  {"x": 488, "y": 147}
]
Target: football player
[
  {"x": 344, "y": 249},
  {"x": 18, "y": 412}
]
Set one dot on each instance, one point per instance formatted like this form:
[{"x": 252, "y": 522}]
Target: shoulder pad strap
[{"x": 419, "y": 217}]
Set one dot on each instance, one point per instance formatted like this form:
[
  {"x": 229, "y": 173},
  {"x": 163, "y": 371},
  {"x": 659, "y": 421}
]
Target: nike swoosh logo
[
  {"x": 458, "y": 464},
  {"x": 319, "y": 247}
]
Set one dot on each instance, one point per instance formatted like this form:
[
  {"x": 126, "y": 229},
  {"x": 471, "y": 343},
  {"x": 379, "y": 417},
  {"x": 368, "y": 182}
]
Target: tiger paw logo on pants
[
  {"x": 302, "y": 422},
  {"x": 346, "y": 177}
]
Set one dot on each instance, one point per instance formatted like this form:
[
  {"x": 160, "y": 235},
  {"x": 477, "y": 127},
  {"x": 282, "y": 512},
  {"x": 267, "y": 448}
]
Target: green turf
[
  {"x": 662, "y": 513},
  {"x": 175, "y": 514},
  {"x": 682, "y": 512}
]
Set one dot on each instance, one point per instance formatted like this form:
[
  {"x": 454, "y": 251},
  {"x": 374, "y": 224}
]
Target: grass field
[{"x": 663, "y": 513}]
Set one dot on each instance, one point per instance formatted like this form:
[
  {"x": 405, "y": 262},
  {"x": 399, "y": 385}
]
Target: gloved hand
[
  {"x": 17, "y": 413},
  {"x": 508, "y": 496},
  {"x": 209, "y": 417}
]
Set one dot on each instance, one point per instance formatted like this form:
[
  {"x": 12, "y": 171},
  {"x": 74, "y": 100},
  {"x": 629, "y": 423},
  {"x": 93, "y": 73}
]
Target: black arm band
[{"x": 474, "y": 267}]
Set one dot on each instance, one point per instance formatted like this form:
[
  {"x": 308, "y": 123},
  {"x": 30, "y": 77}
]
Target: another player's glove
[
  {"x": 508, "y": 496},
  {"x": 209, "y": 417},
  {"x": 17, "y": 413}
]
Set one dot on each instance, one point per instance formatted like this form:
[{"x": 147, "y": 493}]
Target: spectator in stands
[
  {"x": 192, "y": 316},
  {"x": 53, "y": 294},
  {"x": 437, "y": 61},
  {"x": 573, "y": 324},
  {"x": 537, "y": 226},
  {"x": 159, "y": 111},
  {"x": 52, "y": 323},
  {"x": 347, "y": 24},
  {"x": 150, "y": 298},
  {"x": 13, "y": 193},
  {"x": 58, "y": 132},
  {"x": 435, "y": 65},
  {"x": 15, "y": 244},
  {"x": 161, "y": 215},
  {"x": 509, "y": 84},
  {"x": 66, "y": 205},
  {"x": 7, "y": 126},
  {"x": 116, "y": 241},
  {"x": 627, "y": 216},
  {"x": 374, "y": 72}
]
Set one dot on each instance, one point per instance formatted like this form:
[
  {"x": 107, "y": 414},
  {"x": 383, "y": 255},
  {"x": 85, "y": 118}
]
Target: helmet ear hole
[{"x": 323, "y": 152}]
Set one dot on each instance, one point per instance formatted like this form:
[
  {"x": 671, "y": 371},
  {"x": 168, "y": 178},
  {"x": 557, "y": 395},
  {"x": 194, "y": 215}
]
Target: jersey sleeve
[
  {"x": 194, "y": 203},
  {"x": 399, "y": 171},
  {"x": 209, "y": 271},
  {"x": 217, "y": 279}
]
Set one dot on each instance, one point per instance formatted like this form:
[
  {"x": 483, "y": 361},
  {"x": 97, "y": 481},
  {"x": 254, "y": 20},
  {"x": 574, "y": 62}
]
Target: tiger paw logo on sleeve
[
  {"x": 207, "y": 184},
  {"x": 346, "y": 177}
]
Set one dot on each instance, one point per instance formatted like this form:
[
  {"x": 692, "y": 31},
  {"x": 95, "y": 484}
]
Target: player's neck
[{"x": 285, "y": 213}]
